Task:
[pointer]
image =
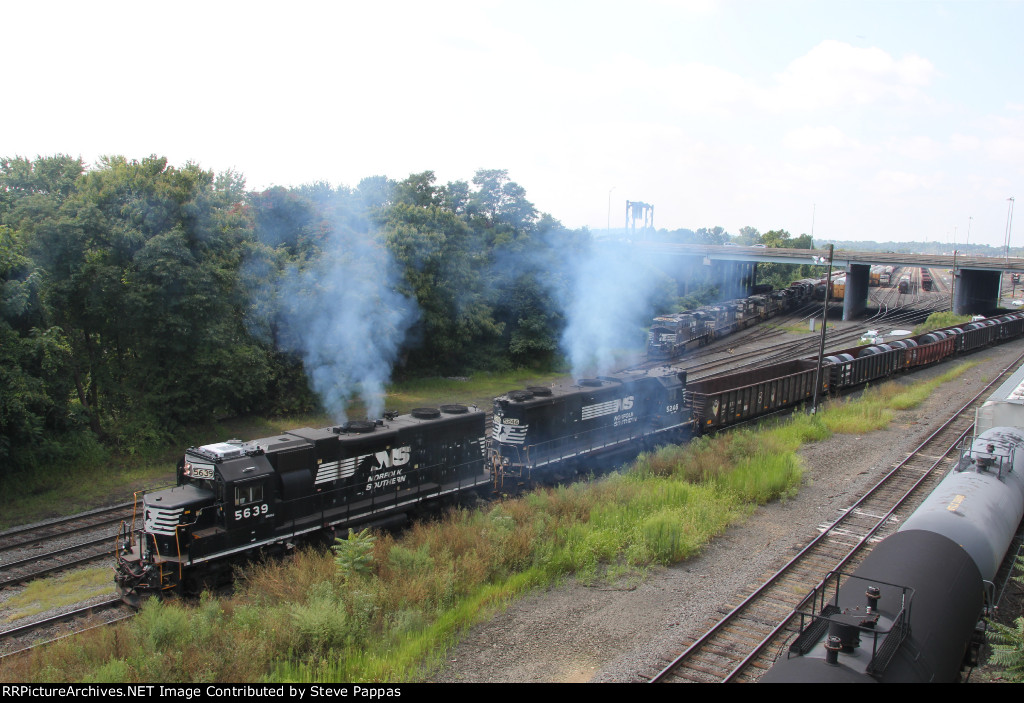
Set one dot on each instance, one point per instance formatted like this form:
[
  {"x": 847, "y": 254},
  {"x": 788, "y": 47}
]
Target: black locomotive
[
  {"x": 236, "y": 499},
  {"x": 671, "y": 336},
  {"x": 560, "y": 429}
]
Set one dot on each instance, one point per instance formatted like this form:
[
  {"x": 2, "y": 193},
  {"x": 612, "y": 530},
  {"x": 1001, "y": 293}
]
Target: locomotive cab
[
  {"x": 244, "y": 487},
  {"x": 225, "y": 498}
]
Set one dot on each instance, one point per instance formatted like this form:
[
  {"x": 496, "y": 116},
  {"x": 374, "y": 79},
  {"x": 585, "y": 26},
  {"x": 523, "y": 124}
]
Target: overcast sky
[{"x": 866, "y": 120}]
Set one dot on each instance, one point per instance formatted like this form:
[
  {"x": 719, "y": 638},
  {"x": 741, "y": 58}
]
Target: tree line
[{"x": 138, "y": 298}]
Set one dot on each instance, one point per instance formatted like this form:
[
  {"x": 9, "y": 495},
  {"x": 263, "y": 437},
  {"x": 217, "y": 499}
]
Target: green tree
[
  {"x": 419, "y": 190},
  {"x": 354, "y": 556},
  {"x": 1008, "y": 640},
  {"x": 441, "y": 259},
  {"x": 501, "y": 201},
  {"x": 714, "y": 235},
  {"x": 748, "y": 236},
  {"x": 781, "y": 275},
  {"x": 142, "y": 282}
]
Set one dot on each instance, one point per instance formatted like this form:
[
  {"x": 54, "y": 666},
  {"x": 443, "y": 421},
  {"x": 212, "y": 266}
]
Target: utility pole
[{"x": 824, "y": 325}]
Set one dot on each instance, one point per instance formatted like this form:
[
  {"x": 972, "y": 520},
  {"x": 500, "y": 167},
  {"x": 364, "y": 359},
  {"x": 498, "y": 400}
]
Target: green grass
[
  {"x": 479, "y": 389},
  {"x": 304, "y": 620},
  {"x": 877, "y": 405},
  {"x": 46, "y": 594},
  {"x": 939, "y": 320},
  {"x": 799, "y": 328}
]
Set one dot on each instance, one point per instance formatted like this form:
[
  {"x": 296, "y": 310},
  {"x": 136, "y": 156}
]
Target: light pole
[
  {"x": 824, "y": 325},
  {"x": 1009, "y": 225}
]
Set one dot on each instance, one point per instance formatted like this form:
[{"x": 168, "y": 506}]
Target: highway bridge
[{"x": 976, "y": 278}]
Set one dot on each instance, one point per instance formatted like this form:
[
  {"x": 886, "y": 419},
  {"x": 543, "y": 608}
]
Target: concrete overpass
[{"x": 976, "y": 278}]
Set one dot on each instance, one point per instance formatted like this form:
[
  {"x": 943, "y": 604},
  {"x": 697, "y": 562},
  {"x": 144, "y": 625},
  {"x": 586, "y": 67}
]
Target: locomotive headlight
[{"x": 188, "y": 469}]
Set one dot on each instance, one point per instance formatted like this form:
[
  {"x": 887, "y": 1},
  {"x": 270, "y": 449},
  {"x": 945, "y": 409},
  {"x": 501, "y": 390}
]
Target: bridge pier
[
  {"x": 977, "y": 291},
  {"x": 855, "y": 298},
  {"x": 736, "y": 279}
]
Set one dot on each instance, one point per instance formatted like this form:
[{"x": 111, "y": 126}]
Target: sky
[{"x": 860, "y": 120}]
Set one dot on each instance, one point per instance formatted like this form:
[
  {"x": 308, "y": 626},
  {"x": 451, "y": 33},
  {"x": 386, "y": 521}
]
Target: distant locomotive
[
  {"x": 671, "y": 336},
  {"x": 875, "y": 275},
  {"x": 839, "y": 288}
]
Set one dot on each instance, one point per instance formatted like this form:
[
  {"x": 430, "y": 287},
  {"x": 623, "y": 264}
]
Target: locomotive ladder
[{"x": 746, "y": 641}]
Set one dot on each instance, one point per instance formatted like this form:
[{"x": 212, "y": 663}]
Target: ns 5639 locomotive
[{"x": 234, "y": 500}]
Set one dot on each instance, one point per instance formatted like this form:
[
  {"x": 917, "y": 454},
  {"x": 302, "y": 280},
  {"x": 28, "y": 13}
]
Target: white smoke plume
[
  {"x": 335, "y": 305},
  {"x": 607, "y": 303},
  {"x": 344, "y": 316}
]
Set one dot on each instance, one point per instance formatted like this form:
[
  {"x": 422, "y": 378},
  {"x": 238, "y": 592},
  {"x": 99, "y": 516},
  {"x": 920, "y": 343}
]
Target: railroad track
[
  {"x": 755, "y": 630},
  {"x": 18, "y": 640},
  {"x": 28, "y": 535},
  {"x": 802, "y": 348},
  {"x": 56, "y": 560},
  {"x": 32, "y": 551}
]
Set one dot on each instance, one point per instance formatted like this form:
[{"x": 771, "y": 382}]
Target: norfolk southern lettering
[
  {"x": 235, "y": 500},
  {"x": 381, "y": 476}
]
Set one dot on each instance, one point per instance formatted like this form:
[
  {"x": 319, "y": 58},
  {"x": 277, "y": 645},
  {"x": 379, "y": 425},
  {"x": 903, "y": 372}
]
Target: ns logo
[{"x": 385, "y": 460}]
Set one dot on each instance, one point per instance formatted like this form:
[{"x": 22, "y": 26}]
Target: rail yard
[{"x": 753, "y": 347}]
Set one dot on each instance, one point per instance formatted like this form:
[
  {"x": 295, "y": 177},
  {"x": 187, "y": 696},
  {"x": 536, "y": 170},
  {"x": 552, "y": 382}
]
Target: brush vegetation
[
  {"x": 386, "y": 608},
  {"x": 1008, "y": 639},
  {"x": 939, "y": 320}
]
